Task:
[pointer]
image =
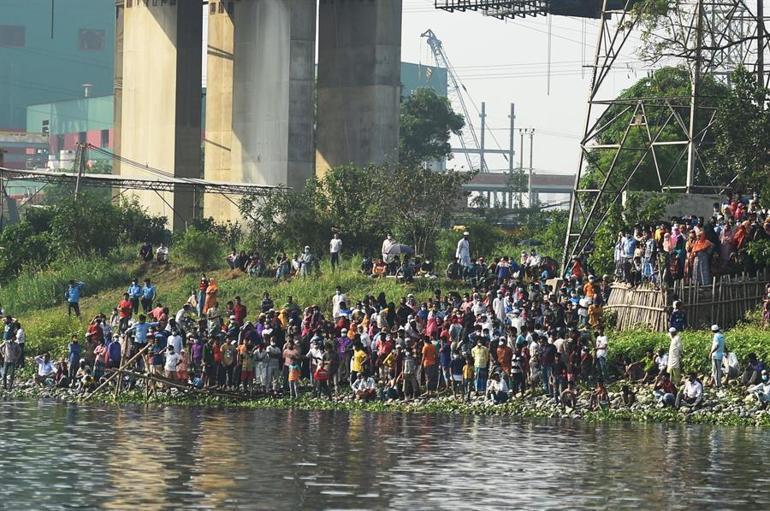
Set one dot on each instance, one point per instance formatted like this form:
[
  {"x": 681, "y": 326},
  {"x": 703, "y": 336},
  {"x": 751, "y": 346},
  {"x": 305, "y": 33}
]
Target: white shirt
[
  {"x": 693, "y": 390},
  {"x": 675, "y": 352},
  {"x": 21, "y": 336},
  {"x": 335, "y": 245},
  {"x": 386, "y": 246},
  {"x": 601, "y": 346},
  {"x": 172, "y": 360},
  {"x": 499, "y": 306},
  {"x": 176, "y": 342},
  {"x": 336, "y": 300},
  {"x": 463, "y": 252}
]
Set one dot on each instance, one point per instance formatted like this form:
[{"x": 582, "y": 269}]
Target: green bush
[
  {"x": 696, "y": 344},
  {"x": 198, "y": 250}
]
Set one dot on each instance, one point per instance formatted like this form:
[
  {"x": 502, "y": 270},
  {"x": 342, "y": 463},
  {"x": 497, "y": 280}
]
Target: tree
[
  {"x": 421, "y": 201},
  {"x": 363, "y": 204},
  {"x": 742, "y": 135},
  {"x": 427, "y": 122}
]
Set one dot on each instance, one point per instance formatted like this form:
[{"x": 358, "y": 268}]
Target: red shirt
[
  {"x": 239, "y": 311},
  {"x": 125, "y": 308}
]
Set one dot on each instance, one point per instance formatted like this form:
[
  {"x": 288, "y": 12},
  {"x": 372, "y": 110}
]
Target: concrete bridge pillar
[
  {"x": 359, "y": 82},
  {"x": 259, "y": 104},
  {"x": 159, "y": 97}
]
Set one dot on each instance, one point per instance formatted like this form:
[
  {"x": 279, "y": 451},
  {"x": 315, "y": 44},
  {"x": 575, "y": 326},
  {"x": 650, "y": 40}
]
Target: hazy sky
[{"x": 500, "y": 62}]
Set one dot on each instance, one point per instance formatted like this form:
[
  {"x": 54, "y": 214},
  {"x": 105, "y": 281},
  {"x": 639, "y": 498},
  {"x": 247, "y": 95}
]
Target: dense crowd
[
  {"x": 517, "y": 332},
  {"x": 692, "y": 248}
]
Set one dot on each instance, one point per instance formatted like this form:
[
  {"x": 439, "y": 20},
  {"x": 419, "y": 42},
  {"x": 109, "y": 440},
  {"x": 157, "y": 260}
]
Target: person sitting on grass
[
  {"x": 45, "y": 368},
  {"x": 497, "y": 389},
  {"x": 691, "y": 395},
  {"x": 664, "y": 391},
  {"x": 762, "y": 390},
  {"x": 364, "y": 388},
  {"x": 628, "y": 395},
  {"x": 568, "y": 398},
  {"x": 600, "y": 399}
]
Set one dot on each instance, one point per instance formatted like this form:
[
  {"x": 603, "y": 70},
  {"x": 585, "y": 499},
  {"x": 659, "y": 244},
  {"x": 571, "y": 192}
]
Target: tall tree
[{"x": 427, "y": 122}]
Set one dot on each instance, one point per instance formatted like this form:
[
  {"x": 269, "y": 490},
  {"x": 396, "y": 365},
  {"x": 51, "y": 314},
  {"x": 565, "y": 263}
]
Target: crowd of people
[
  {"x": 512, "y": 335},
  {"x": 692, "y": 248}
]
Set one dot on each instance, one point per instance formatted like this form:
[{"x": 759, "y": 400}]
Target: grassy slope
[{"x": 49, "y": 328}]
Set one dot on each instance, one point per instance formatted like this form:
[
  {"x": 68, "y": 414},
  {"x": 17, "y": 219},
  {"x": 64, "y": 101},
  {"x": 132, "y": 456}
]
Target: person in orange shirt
[
  {"x": 504, "y": 356},
  {"x": 430, "y": 365}
]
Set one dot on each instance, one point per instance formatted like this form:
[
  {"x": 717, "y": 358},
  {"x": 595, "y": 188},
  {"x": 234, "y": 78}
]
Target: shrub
[{"x": 197, "y": 250}]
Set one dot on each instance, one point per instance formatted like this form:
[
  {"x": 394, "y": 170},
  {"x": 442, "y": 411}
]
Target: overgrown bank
[{"x": 731, "y": 408}]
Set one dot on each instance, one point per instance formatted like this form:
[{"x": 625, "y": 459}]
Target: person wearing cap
[
  {"x": 674, "y": 364},
  {"x": 716, "y": 354},
  {"x": 463, "y": 252}
]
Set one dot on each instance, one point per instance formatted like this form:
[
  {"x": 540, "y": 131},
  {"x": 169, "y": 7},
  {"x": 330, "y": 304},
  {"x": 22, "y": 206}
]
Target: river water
[{"x": 56, "y": 456}]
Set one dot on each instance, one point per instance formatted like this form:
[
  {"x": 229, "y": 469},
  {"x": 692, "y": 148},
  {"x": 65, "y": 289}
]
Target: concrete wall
[
  {"x": 160, "y": 121},
  {"x": 259, "y": 112},
  {"x": 358, "y": 82}
]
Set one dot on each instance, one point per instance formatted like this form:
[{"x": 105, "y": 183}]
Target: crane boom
[{"x": 456, "y": 89}]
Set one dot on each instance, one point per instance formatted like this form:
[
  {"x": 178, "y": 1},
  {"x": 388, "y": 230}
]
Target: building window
[
  {"x": 12, "y": 36},
  {"x": 105, "y": 142},
  {"x": 81, "y": 137},
  {"x": 59, "y": 143},
  {"x": 90, "y": 39},
  {"x": 221, "y": 7}
]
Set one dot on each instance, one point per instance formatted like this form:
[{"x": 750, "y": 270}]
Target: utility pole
[
  {"x": 695, "y": 86},
  {"x": 522, "y": 132},
  {"x": 512, "y": 117},
  {"x": 483, "y": 115},
  {"x": 80, "y": 161},
  {"x": 760, "y": 43},
  {"x": 531, "y": 143}
]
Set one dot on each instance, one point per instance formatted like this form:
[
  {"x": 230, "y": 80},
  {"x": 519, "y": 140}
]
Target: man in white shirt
[
  {"x": 674, "y": 356},
  {"x": 337, "y": 299},
  {"x": 463, "y": 252},
  {"x": 175, "y": 341},
  {"x": 692, "y": 393},
  {"x": 335, "y": 246},
  {"x": 602, "y": 343},
  {"x": 172, "y": 361},
  {"x": 499, "y": 307},
  {"x": 387, "y": 247},
  {"x": 45, "y": 368}
]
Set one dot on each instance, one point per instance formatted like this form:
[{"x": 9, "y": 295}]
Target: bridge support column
[
  {"x": 359, "y": 82},
  {"x": 259, "y": 98},
  {"x": 160, "y": 98}
]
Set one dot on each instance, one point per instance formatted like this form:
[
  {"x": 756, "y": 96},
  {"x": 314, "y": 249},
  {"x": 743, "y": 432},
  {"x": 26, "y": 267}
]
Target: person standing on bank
[
  {"x": 335, "y": 247},
  {"x": 674, "y": 356},
  {"x": 463, "y": 252},
  {"x": 717, "y": 352},
  {"x": 72, "y": 295}
]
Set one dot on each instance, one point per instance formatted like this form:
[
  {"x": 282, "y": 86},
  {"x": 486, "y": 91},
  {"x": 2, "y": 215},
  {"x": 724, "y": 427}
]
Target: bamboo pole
[{"x": 115, "y": 373}]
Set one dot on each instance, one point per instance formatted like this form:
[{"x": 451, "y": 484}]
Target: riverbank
[{"x": 728, "y": 407}]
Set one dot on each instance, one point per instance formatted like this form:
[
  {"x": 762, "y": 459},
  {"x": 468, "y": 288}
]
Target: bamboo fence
[{"x": 725, "y": 301}]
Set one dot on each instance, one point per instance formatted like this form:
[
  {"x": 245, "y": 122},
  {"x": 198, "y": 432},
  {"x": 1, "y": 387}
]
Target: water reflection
[{"x": 64, "y": 456}]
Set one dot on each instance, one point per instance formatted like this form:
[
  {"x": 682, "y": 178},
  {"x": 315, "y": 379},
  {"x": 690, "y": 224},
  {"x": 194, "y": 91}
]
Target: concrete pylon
[
  {"x": 359, "y": 82},
  {"x": 160, "y": 98},
  {"x": 259, "y": 97}
]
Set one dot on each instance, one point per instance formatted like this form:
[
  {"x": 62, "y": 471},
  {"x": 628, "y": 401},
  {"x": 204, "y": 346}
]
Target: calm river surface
[{"x": 55, "y": 456}]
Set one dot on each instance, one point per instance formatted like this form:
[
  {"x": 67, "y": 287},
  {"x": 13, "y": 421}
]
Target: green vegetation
[
  {"x": 427, "y": 122},
  {"x": 73, "y": 228}
]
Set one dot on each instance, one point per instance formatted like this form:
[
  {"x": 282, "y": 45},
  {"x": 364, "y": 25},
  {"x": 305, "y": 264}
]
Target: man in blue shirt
[
  {"x": 72, "y": 295},
  {"x": 134, "y": 294},
  {"x": 114, "y": 353},
  {"x": 73, "y": 358},
  {"x": 148, "y": 295},
  {"x": 717, "y": 352}
]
